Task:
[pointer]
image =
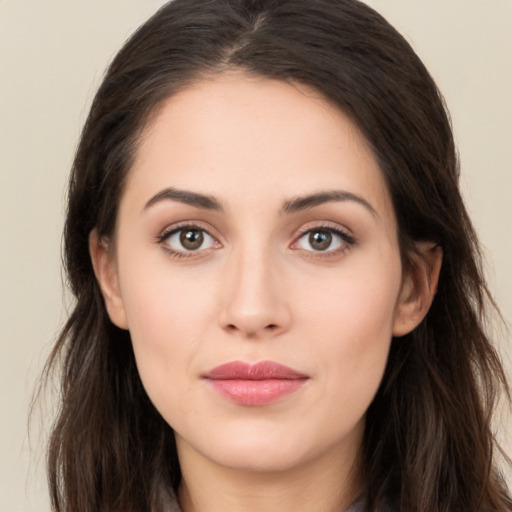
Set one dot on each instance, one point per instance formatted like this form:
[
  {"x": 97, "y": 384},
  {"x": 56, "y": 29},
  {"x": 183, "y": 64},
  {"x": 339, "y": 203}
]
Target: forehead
[{"x": 240, "y": 138}]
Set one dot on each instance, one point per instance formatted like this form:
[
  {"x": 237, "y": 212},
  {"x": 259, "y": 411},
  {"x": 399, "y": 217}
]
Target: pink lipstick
[{"x": 254, "y": 384}]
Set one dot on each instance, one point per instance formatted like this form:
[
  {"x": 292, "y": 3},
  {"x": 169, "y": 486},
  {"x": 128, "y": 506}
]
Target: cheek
[
  {"x": 167, "y": 313},
  {"x": 351, "y": 320}
]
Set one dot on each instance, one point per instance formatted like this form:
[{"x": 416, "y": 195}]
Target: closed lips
[{"x": 255, "y": 384}]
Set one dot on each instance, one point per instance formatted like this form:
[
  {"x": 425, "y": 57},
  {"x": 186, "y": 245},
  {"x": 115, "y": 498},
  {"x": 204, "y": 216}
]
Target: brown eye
[
  {"x": 320, "y": 240},
  {"x": 324, "y": 240},
  {"x": 188, "y": 239},
  {"x": 191, "y": 239}
]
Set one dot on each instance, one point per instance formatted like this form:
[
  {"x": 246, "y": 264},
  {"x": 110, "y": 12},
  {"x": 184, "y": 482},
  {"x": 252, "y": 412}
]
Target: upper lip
[{"x": 264, "y": 370}]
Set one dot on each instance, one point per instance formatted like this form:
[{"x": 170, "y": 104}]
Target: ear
[
  {"x": 105, "y": 269},
  {"x": 418, "y": 288}
]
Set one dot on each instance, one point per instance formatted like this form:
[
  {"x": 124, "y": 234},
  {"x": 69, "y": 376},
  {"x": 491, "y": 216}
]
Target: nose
[{"x": 254, "y": 300}]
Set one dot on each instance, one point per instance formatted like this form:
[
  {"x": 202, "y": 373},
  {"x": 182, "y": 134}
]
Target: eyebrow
[
  {"x": 185, "y": 196},
  {"x": 301, "y": 203}
]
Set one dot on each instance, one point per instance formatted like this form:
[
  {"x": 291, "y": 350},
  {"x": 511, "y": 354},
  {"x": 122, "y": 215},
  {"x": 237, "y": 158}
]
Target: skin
[{"x": 257, "y": 289}]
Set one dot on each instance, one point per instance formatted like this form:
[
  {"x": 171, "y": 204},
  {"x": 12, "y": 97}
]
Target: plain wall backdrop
[{"x": 52, "y": 56}]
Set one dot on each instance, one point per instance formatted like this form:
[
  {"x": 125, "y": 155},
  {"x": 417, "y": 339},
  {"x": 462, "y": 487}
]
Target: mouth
[{"x": 254, "y": 384}]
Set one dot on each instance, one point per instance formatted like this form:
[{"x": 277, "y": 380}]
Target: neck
[{"x": 330, "y": 483}]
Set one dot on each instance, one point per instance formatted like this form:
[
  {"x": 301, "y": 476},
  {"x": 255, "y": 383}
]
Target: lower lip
[{"x": 256, "y": 392}]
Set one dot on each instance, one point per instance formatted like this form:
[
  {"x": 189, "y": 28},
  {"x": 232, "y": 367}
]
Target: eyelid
[
  {"x": 326, "y": 226},
  {"x": 188, "y": 223}
]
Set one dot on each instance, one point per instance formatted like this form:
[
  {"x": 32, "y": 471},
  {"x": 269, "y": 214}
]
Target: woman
[{"x": 279, "y": 301}]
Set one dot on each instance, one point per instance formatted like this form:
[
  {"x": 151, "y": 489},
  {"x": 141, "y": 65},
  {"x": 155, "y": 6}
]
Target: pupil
[
  {"x": 320, "y": 240},
  {"x": 191, "y": 239}
]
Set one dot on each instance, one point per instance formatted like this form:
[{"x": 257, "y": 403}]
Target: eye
[
  {"x": 324, "y": 240},
  {"x": 187, "y": 239}
]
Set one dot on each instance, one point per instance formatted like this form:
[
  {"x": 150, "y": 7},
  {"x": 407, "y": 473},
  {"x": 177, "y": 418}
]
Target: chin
[{"x": 264, "y": 447}]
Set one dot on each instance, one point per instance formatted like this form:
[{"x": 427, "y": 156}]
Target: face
[{"x": 256, "y": 266}]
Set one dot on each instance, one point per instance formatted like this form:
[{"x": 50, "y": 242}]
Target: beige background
[{"x": 52, "y": 55}]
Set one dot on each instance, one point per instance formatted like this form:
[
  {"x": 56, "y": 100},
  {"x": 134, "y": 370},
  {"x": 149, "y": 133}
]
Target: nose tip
[{"x": 254, "y": 302}]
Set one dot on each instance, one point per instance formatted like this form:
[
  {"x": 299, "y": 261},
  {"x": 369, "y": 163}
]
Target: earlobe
[
  {"x": 419, "y": 288},
  {"x": 104, "y": 265}
]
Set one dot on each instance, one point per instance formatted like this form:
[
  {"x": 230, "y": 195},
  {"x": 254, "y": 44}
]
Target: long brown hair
[{"x": 428, "y": 442}]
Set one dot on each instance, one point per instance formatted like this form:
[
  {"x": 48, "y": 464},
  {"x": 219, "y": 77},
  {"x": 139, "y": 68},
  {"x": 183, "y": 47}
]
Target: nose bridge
[{"x": 255, "y": 301}]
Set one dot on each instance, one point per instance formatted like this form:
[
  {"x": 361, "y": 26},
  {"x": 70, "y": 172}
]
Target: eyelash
[{"x": 347, "y": 240}]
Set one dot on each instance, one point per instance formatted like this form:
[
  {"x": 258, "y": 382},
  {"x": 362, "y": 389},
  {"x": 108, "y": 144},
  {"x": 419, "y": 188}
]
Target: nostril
[{"x": 233, "y": 328}]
